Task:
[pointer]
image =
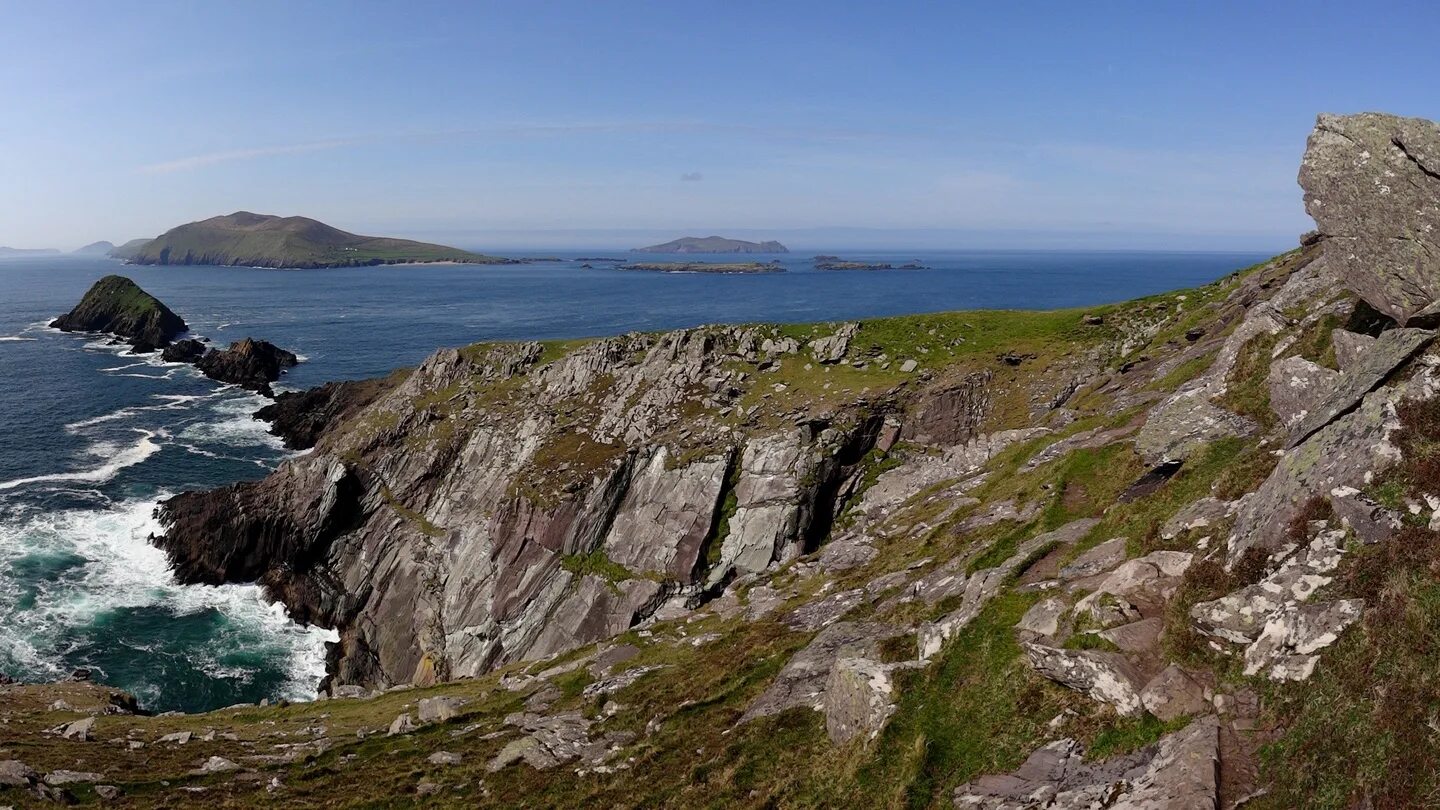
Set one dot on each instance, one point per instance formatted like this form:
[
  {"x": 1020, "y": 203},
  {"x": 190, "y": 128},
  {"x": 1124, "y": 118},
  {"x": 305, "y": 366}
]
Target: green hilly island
[{"x": 244, "y": 239}]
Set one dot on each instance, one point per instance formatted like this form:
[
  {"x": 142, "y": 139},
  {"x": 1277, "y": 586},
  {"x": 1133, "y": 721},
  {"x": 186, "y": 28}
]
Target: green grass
[{"x": 596, "y": 563}]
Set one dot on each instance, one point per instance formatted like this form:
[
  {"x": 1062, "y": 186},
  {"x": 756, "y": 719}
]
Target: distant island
[
  {"x": 704, "y": 267},
  {"x": 244, "y": 239},
  {"x": 836, "y": 263},
  {"x": 713, "y": 244},
  {"x": 9, "y": 251},
  {"x": 101, "y": 248}
]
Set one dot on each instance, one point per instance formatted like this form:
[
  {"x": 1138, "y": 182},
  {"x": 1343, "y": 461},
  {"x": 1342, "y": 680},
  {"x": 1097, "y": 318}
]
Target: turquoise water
[{"x": 91, "y": 438}]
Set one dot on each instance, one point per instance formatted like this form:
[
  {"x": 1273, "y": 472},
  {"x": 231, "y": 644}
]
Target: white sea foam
[
  {"x": 236, "y": 425},
  {"x": 128, "y": 457},
  {"x": 16, "y": 339},
  {"x": 121, "y": 570}
]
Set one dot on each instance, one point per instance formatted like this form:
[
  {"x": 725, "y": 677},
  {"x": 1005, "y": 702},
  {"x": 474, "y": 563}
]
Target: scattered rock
[
  {"x": 1285, "y": 650},
  {"x": 859, "y": 698},
  {"x": 439, "y": 709},
  {"x": 215, "y": 765},
  {"x": 404, "y": 724},
  {"x": 248, "y": 363},
  {"x": 1174, "y": 694},
  {"x": 63, "y": 777},
  {"x": 79, "y": 730},
  {"x": 14, "y": 773},
  {"x": 832, "y": 349},
  {"x": 107, "y": 792},
  {"x": 1044, "y": 617},
  {"x": 1097, "y": 560},
  {"x": 444, "y": 758},
  {"x": 175, "y": 738},
  {"x": 1180, "y": 771},
  {"x": 184, "y": 351},
  {"x": 1105, "y": 676}
]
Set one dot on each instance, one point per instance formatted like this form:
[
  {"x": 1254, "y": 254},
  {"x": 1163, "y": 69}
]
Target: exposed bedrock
[{"x": 491, "y": 507}]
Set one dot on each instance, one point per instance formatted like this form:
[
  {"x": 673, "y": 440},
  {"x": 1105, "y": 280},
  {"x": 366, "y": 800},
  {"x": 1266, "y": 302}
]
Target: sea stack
[
  {"x": 248, "y": 363},
  {"x": 116, "y": 305}
]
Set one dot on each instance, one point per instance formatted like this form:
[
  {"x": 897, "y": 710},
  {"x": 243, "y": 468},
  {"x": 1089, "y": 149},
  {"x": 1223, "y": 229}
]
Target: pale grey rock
[
  {"x": 14, "y": 773},
  {"x": 1349, "y": 347},
  {"x": 216, "y": 765},
  {"x": 1179, "y": 427},
  {"x": 1173, "y": 694},
  {"x": 1372, "y": 184},
  {"x": 1104, "y": 676},
  {"x": 1391, "y": 350},
  {"x": 1296, "y": 386},
  {"x": 832, "y": 348},
  {"x": 444, "y": 758},
  {"x": 1201, "y": 514},
  {"x": 1287, "y": 646},
  {"x": 1044, "y": 618},
  {"x": 64, "y": 777},
  {"x": 402, "y": 724},
  {"x": 175, "y": 738},
  {"x": 1180, "y": 772},
  {"x": 80, "y": 729},
  {"x": 595, "y": 609},
  {"x": 107, "y": 792},
  {"x": 1094, "y": 561},
  {"x": 1139, "y": 637},
  {"x": 553, "y": 740},
  {"x": 607, "y": 659},
  {"x": 439, "y": 709},
  {"x": 1341, "y": 454},
  {"x": 661, "y": 523},
  {"x": 803, "y": 679},
  {"x": 761, "y": 601},
  {"x": 908, "y": 366},
  {"x": 1371, "y": 522},
  {"x": 860, "y": 697},
  {"x": 1151, "y": 579},
  {"x": 1240, "y": 617},
  {"x": 614, "y": 683},
  {"x": 819, "y": 613},
  {"x": 850, "y": 550},
  {"x": 766, "y": 524},
  {"x": 348, "y": 692}
]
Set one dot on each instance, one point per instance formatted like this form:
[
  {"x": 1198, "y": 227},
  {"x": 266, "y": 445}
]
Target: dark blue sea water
[{"x": 92, "y": 437}]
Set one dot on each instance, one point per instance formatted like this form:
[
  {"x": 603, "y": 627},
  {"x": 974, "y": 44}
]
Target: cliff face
[{"x": 117, "y": 305}]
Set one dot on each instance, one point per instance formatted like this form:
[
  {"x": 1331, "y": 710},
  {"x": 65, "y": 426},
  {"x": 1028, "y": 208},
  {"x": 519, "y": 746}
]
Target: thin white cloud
[{"x": 214, "y": 158}]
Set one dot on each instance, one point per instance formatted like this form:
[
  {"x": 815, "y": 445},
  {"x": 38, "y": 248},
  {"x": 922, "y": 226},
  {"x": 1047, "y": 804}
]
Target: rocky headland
[
  {"x": 1174, "y": 552},
  {"x": 116, "y": 305}
]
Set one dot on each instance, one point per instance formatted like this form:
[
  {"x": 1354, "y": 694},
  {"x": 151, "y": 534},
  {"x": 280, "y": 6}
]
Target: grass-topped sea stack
[{"x": 117, "y": 305}]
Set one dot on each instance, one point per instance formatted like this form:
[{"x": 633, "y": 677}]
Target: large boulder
[{"x": 1372, "y": 184}]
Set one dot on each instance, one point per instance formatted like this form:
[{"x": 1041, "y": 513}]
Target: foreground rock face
[
  {"x": 248, "y": 363},
  {"x": 117, "y": 305},
  {"x": 464, "y": 518},
  {"x": 1372, "y": 183}
]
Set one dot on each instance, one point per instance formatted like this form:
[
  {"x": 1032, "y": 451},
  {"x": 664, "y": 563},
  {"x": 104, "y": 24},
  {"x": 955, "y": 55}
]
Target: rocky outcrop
[
  {"x": 184, "y": 351},
  {"x": 490, "y": 508},
  {"x": 1372, "y": 184},
  {"x": 300, "y": 418},
  {"x": 248, "y": 363},
  {"x": 1180, "y": 771},
  {"x": 116, "y": 305}
]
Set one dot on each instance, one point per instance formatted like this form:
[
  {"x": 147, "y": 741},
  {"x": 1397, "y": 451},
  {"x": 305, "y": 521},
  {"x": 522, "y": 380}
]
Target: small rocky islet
[
  {"x": 117, "y": 306},
  {"x": 1172, "y": 552}
]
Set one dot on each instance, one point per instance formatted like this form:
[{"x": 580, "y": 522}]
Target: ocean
[{"x": 92, "y": 438}]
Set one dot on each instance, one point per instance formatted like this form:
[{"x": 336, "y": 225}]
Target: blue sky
[{"x": 1097, "y": 124}]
